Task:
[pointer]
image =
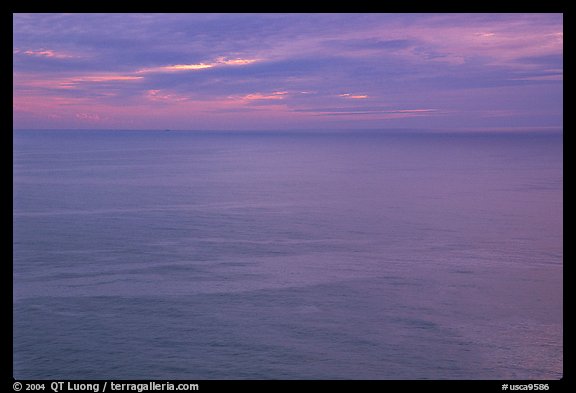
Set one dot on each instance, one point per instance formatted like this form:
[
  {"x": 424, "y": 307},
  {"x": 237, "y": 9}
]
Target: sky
[{"x": 459, "y": 72}]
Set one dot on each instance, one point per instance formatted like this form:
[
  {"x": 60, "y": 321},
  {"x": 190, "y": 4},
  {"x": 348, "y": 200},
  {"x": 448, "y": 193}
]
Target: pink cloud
[
  {"x": 277, "y": 95},
  {"x": 353, "y": 96},
  {"x": 26, "y": 82},
  {"x": 89, "y": 117},
  {"x": 381, "y": 114},
  {"x": 220, "y": 61},
  {"x": 105, "y": 78},
  {"x": 161, "y": 95},
  {"x": 44, "y": 53},
  {"x": 225, "y": 61}
]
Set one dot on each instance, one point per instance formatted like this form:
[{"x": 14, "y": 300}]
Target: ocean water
[{"x": 196, "y": 255}]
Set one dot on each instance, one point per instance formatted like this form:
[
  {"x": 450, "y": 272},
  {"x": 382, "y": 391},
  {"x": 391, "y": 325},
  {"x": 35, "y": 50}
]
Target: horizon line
[{"x": 431, "y": 130}]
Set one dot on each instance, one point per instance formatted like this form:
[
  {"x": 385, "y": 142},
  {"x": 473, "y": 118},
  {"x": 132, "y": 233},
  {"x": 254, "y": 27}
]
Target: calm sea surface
[{"x": 181, "y": 255}]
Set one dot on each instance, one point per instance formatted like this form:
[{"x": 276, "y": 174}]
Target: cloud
[
  {"x": 402, "y": 65},
  {"x": 47, "y": 53},
  {"x": 393, "y": 113},
  {"x": 164, "y": 96},
  {"x": 89, "y": 117},
  {"x": 177, "y": 67},
  {"x": 277, "y": 95},
  {"x": 353, "y": 96},
  {"x": 104, "y": 78},
  {"x": 220, "y": 61}
]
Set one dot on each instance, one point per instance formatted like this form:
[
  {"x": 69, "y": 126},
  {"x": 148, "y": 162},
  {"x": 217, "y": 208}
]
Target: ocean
[{"x": 255, "y": 255}]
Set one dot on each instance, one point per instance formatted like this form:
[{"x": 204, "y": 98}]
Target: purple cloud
[{"x": 161, "y": 70}]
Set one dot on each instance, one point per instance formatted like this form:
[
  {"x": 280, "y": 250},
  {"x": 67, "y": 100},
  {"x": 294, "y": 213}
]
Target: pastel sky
[{"x": 288, "y": 71}]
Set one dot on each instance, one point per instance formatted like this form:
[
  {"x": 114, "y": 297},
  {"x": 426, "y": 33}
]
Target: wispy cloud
[
  {"x": 47, "y": 53},
  {"x": 353, "y": 96},
  {"x": 105, "y": 78},
  {"x": 220, "y": 61},
  {"x": 276, "y": 95},
  {"x": 69, "y": 83},
  {"x": 176, "y": 68},
  {"x": 408, "y": 69},
  {"x": 394, "y": 113},
  {"x": 164, "y": 96}
]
